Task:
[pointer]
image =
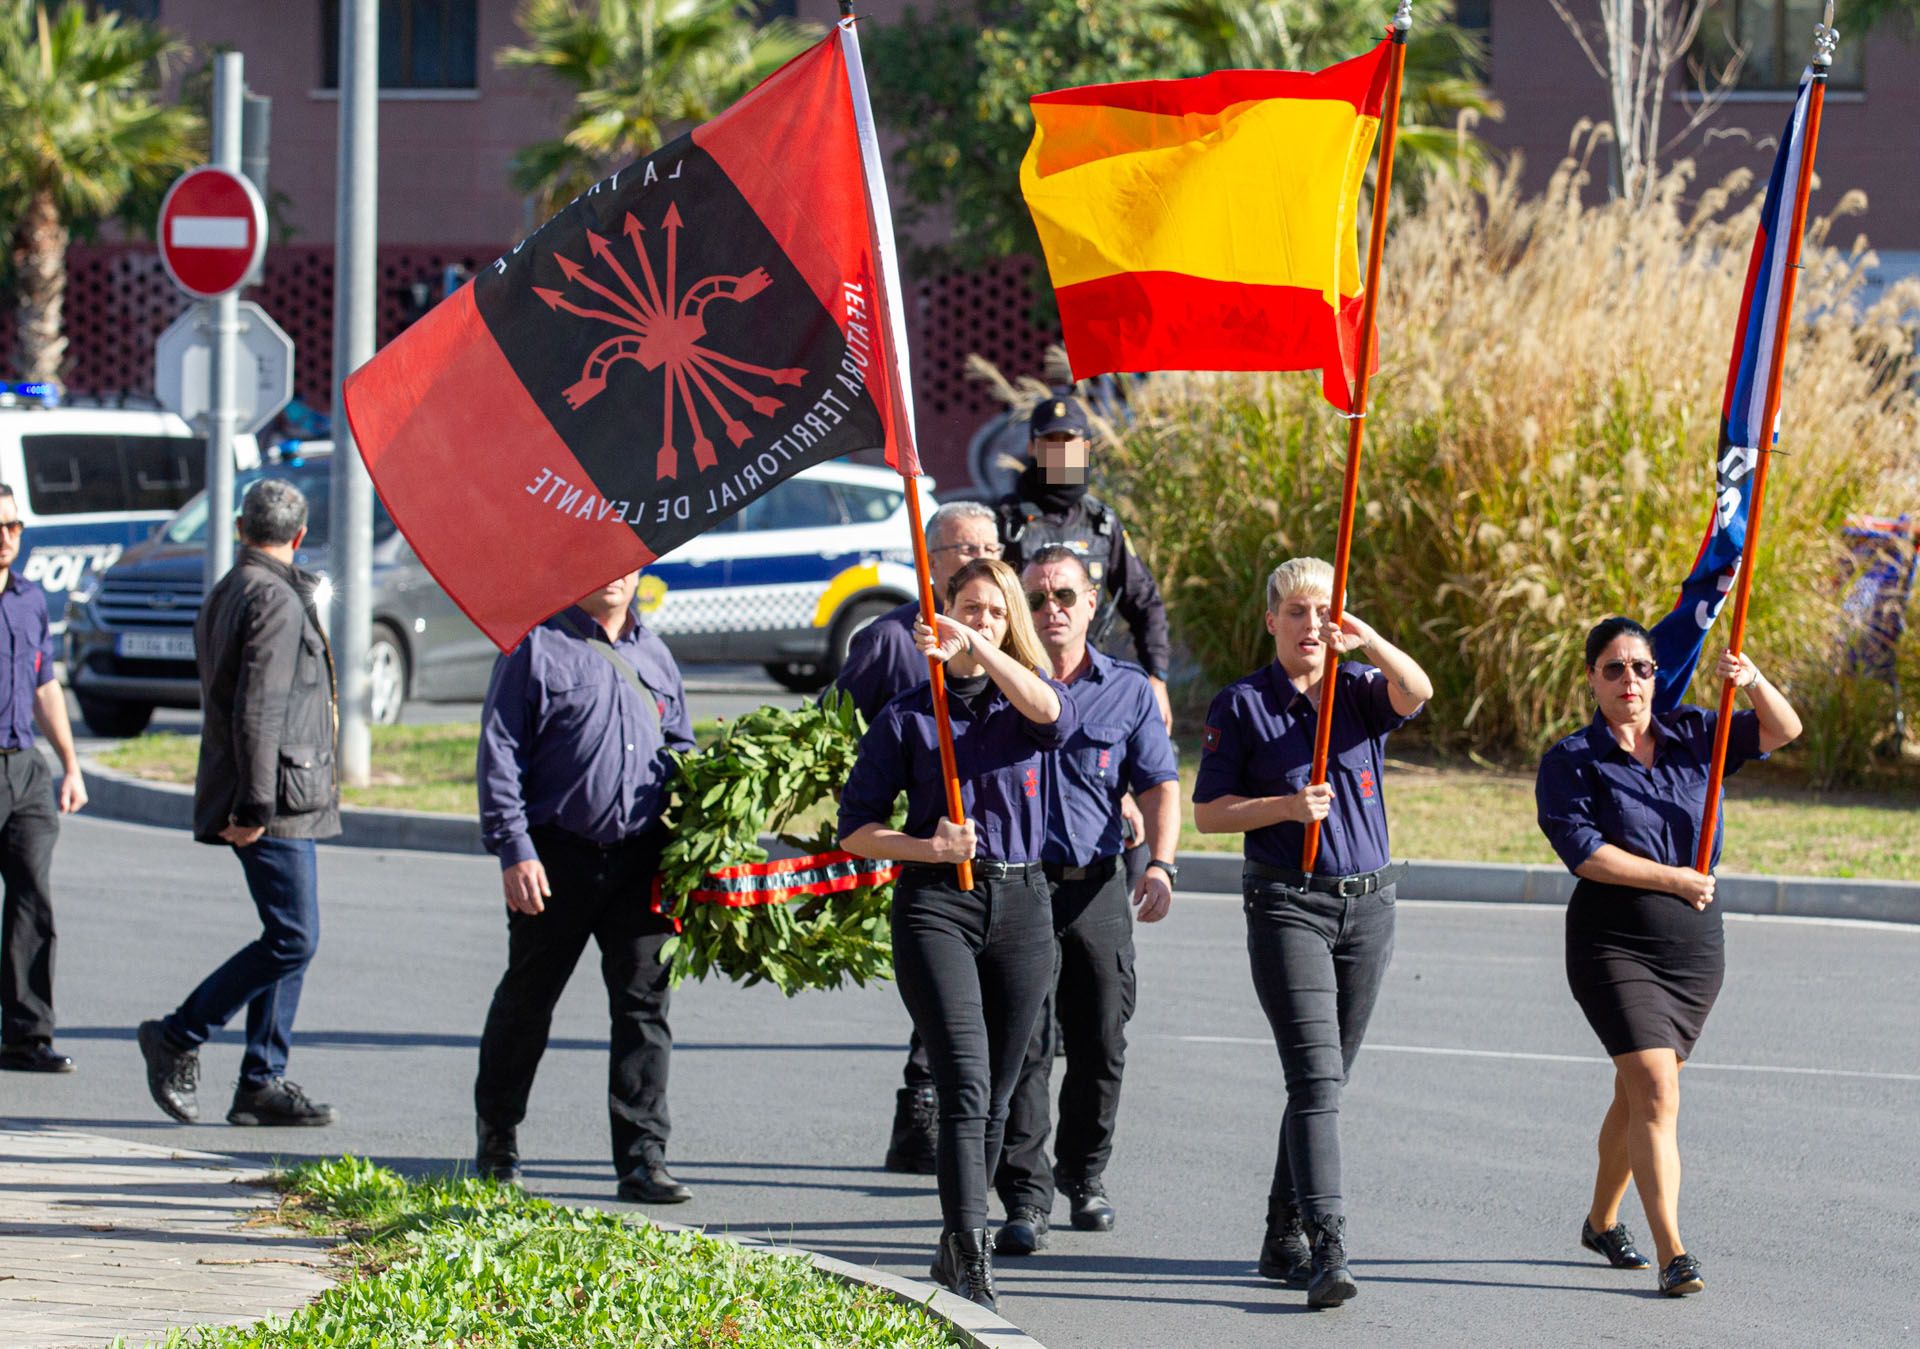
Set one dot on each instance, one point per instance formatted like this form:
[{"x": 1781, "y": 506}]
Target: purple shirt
[
  {"x": 1000, "y": 756},
  {"x": 1259, "y": 742},
  {"x": 1120, "y": 746},
  {"x": 27, "y": 658},
  {"x": 1590, "y": 791},
  {"x": 882, "y": 661},
  {"x": 565, "y": 741}
]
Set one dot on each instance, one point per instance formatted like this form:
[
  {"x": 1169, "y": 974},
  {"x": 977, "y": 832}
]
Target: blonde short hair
[{"x": 1298, "y": 576}]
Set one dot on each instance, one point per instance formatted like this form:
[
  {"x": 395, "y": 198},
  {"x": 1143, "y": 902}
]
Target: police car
[
  {"x": 787, "y": 581},
  {"x": 93, "y": 480}
]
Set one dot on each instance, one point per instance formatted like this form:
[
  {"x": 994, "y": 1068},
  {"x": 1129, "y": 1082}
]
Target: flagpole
[
  {"x": 1823, "y": 43},
  {"x": 906, "y": 452},
  {"x": 1357, "y": 417}
]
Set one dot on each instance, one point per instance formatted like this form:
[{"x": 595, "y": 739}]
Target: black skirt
[{"x": 1644, "y": 966}]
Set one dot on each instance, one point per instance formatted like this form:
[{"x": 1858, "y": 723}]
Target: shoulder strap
[{"x": 597, "y": 639}]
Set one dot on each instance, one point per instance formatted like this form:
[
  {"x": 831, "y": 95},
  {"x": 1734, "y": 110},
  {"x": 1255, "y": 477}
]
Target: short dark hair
[
  {"x": 273, "y": 512},
  {"x": 5, "y": 491},
  {"x": 1058, "y": 552},
  {"x": 1609, "y": 630}
]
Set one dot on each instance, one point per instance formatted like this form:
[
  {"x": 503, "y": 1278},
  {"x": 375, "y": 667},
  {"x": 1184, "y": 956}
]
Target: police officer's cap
[{"x": 1059, "y": 413}]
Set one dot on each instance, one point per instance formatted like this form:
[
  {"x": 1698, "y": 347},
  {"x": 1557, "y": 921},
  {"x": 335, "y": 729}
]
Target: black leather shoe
[
  {"x": 1331, "y": 1282},
  {"x": 916, "y": 1132},
  {"x": 653, "y": 1184},
  {"x": 277, "y": 1104},
  {"x": 1681, "y": 1276},
  {"x": 1284, "y": 1255},
  {"x": 964, "y": 1265},
  {"x": 1092, "y": 1211},
  {"x": 1616, "y": 1243},
  {"x": 1024, "y": 1232},
  {"x": 497, "y": 1153},
  {"x": 173, "y": 1076},
  {"x": 33, "y": 1058}
]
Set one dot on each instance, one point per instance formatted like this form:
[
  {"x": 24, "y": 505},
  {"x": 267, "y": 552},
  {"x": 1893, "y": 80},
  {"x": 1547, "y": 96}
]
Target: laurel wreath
[{"x": 769, "y": 772}]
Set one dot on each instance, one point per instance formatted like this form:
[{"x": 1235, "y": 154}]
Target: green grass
[{"x": 482, "y": 1266}]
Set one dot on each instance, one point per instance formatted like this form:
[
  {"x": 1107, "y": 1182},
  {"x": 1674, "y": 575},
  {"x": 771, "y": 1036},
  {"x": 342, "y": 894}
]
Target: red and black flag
[{"x": 681, "y": 337}]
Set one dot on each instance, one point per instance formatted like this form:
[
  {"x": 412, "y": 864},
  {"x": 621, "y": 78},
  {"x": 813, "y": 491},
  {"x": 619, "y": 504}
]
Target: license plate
[{"x": 157, "y": 645}]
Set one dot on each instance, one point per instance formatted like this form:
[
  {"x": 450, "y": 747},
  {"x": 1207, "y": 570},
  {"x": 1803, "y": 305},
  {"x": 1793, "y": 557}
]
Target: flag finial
[
  {"x": 1825, "y": 38},
  {"x": 1403, "y": 18}
]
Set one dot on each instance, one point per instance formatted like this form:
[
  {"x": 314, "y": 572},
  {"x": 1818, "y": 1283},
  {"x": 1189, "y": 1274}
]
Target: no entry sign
[{"x": 213, "y": 230}]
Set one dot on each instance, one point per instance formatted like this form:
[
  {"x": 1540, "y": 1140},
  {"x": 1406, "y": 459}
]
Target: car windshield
[{"x": 189, "y": 523}]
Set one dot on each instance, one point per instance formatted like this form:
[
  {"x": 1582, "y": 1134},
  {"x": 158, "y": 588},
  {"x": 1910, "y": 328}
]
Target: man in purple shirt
[
  {"x": 575, "y": 767},
  {"x": 28, "y": 822}
]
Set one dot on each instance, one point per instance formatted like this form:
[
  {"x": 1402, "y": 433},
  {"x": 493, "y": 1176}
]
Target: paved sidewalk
[{"x": 101, "y": 1238}]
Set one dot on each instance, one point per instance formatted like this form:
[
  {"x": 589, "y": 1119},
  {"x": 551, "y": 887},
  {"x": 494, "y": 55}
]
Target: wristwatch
[{"x": 1173, "y": 872}]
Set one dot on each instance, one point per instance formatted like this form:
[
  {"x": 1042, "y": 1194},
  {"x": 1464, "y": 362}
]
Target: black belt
[
  {"x": 552, "y": 834},
  {"x": 1345, "y": 887},
  {"x": 984, "y": 868},
  {"x": 1100, "y": 868}
]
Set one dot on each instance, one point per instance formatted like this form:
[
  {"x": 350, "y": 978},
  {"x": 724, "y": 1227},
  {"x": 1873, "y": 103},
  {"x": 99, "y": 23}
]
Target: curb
[{"x": 119, "y": 796}]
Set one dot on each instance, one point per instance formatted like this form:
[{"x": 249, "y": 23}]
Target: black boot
[
  {"x": 1284, "y": 1255},
  {"x": 496, "y": 1154},
  {"x": 964, "y": 1265},
  {"x": 916, "y": 1131},
  {"x": 1331, "y": 1282},
  {"x": 1024, "y": 1232},
  {"x": 1092, "y": 1211}
]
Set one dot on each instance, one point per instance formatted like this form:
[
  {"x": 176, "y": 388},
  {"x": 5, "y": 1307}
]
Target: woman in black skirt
[{"x": 1621, "y": 803}]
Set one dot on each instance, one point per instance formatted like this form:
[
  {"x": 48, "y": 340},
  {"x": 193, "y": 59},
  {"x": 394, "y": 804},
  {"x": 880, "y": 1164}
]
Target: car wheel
[
  {"x": 851, "y": 622},
  {"x": 104, "y": 716},
  {"x": 386, "y": 676},
  {"x": 799, "y": 678}
]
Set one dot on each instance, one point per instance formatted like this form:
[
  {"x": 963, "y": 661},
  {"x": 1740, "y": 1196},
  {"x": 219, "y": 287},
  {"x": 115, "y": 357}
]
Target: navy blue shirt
[
  {"x": 882, "y": 661},
  {"x": 566, "y": 742},
  {"x": 1590, "y": 791},
  {"x": 1000, "y": 756},
  {"x": 1120, "y": 745},
  {"x": 27, "y": 660},
  {"x": 1259, "y": 742}
]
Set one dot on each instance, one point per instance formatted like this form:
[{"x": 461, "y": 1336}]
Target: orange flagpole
[
  {"x": 1770, "y": 412},
  {"x": 906, "y": 454},
  {"x": 1357, "y": 424}
]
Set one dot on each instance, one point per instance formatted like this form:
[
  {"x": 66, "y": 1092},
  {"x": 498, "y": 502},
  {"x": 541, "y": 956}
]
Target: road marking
[{"x": 1585, "y": 1059}]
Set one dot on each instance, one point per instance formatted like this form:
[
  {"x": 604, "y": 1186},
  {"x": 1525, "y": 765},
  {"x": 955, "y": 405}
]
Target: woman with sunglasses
[
  {"x": 1621, "y": 803},
  {"x": 973, "y": 965}
]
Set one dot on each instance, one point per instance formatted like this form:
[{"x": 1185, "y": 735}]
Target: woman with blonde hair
[{"x": 973, "y": 965}]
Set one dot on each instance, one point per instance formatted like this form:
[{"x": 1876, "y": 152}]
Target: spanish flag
[{"x": 1210, "y": 223}]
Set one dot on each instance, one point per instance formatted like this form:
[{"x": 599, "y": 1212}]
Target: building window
[
  {"x": 1774, "y": 41},
  {"x": 424, "y": 44}
]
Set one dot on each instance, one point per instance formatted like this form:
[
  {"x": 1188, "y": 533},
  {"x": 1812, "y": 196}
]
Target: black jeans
[
  {"x": 1094, "y": 996},
  {"x": 973, "y": 968},
  {"x": 266, "y": 975},
  {"x": 601, "y": 893},
  {"x": 1318, "y": 961},
  {"x": 29, "y": 824}
]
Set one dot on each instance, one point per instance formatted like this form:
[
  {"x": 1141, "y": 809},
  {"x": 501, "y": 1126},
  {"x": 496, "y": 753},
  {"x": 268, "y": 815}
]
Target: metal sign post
[{"x": 221, "y": 422}]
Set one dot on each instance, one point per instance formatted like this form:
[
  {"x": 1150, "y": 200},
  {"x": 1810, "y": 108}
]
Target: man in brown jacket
[{"x": 266, "y": 788}]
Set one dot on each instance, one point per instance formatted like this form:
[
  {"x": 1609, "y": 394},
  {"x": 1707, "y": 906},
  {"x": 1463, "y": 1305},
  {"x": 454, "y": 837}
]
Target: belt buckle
[{"x": 1352, "y": 887}]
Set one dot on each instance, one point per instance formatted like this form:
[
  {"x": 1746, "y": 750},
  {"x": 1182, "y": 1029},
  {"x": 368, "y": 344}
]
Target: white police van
[{"x": 92, "y": 480}]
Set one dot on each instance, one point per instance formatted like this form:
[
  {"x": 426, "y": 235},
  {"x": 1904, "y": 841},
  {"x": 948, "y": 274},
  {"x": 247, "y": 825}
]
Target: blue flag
[{"x": 1678, "y": 637}]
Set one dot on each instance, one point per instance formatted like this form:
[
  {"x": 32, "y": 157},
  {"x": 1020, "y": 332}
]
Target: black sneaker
[
  {"x": 1024, "y": 1232},
  {"x": 277, "y": 1103},
  {"x": 1283, "y": 1254},
  {"x": 1681, "y": 1276},
  {"x": 1616, "y": 1243},
  {"x": 173, "y": 1075},
  {"x": 1092, "y": 1210}
]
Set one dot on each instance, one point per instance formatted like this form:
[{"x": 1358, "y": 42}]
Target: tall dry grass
[{"x": 1539, "y": 450}]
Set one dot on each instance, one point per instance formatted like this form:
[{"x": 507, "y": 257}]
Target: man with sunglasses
[
  {"x": 1050, "y": 504},
  {"x": 29, "y": 823},
  {"x": 1119, "y": 746}
]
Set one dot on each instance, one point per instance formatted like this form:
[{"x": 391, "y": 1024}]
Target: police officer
[
  {"x": 1318, "y": 943},
  {"x": 1050, "y": 504},
  {"x": 1120, "y": 744},
  {"x": 882, "y": 663},
  {"x": 574, "y": 770}
]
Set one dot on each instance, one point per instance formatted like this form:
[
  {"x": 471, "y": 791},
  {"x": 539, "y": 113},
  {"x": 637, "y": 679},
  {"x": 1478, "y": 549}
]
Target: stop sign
[{"x": 213, "y": 231}]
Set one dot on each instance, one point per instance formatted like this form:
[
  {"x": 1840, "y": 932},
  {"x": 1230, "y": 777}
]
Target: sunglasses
[
  {"x": 12, "y": 526},
  {"x": 1613, "y": 669},
  {"x": 1064, "y": 597}
]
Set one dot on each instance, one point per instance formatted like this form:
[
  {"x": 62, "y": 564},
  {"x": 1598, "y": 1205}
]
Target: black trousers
[
  {"x": 600, "y": 893},
  {"x": 1093, "y": 999},
  {"x": 973, "y": 967},
  {"x": 29, "y": 824}
]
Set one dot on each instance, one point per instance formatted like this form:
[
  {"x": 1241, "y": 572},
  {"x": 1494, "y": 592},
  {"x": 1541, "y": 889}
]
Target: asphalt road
[{"x": 1468, "y": 1123}]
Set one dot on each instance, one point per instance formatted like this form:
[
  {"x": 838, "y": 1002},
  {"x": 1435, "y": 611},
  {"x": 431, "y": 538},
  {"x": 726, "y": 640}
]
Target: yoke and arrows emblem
[{"x": 665, "y": 330}]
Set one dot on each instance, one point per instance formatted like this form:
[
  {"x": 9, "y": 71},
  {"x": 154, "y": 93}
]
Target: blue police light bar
[{"x": 33, "y": 391}]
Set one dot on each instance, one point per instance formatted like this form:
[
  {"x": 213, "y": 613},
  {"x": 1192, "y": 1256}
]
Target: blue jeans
[{"x": 265, "y": 975}]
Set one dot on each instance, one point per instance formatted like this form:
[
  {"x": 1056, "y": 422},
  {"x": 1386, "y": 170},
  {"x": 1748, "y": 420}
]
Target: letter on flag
[
  {"x": 683, "y": 336},
  {"x": 1210, "y": 223},
  {"x": 1678, "y": 637}
]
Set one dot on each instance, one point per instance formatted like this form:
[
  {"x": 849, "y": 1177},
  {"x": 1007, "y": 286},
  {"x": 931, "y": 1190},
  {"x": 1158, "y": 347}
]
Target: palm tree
[
  {"x": 80, "y": 127},
  {"x": 641, "y": 70}
]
